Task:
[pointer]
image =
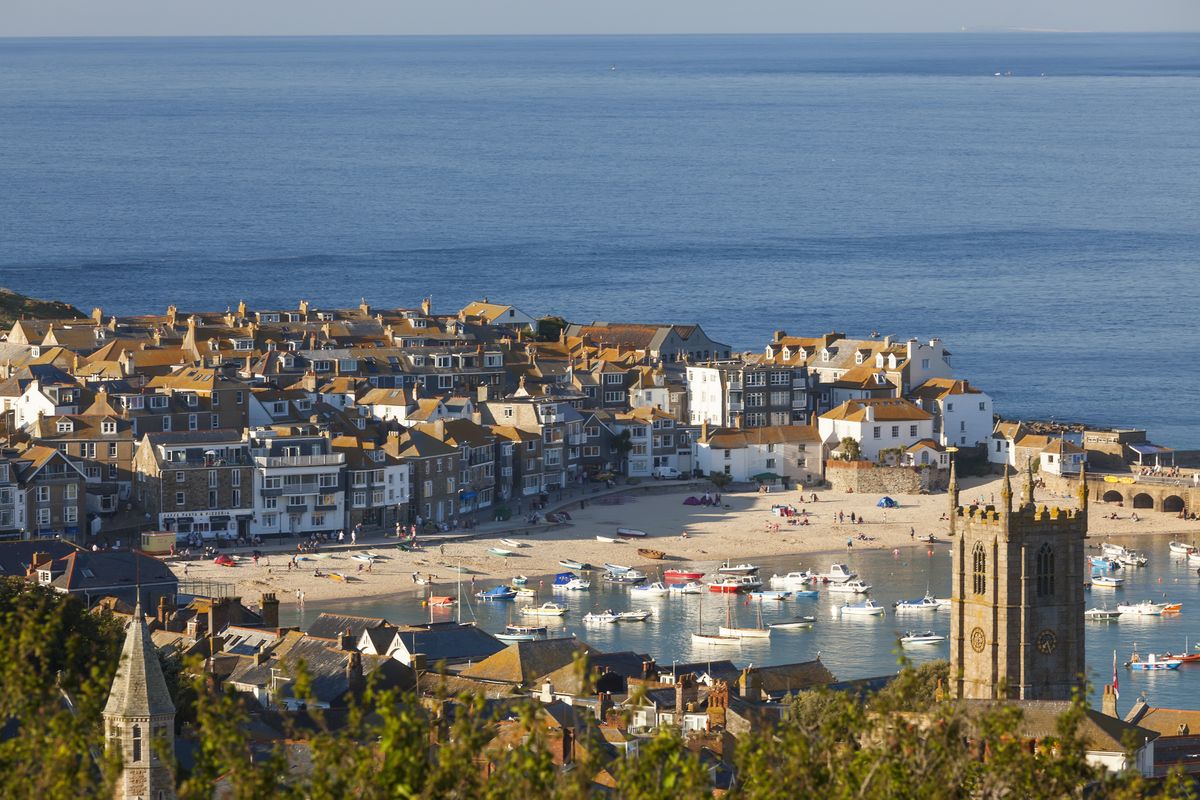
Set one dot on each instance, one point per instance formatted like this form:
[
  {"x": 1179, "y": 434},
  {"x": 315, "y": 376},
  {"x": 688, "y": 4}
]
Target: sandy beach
[{"x": 744, "y": 528}]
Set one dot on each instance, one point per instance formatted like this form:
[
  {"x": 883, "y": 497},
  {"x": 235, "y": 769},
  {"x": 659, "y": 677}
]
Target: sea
[
  {"x": 1031, "y": 199},
  {"x": 851, "y": 647}
]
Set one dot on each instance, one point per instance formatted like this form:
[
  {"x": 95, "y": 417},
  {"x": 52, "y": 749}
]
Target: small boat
[
  {"x": 574, "y": 585},
  {"x": 608, "y": 540},
  {"x": 867, "y": 609},
  {"x": 1107, "y": 581},
  {"x": 337, "y": 576},
  {"x": 681, "y": 575},
  {"x": 631, "y": 533},
  {"x": 795, "y": 623},
  {"x": 547, "y": 609},
  {"x": 628, "y": 577},
  {"x": 500, "y": 551},
  {"x": 793, "y": 580},
  {"x": 224, "y": 561},
  {"x": 806, "y": 594},
  {"x": 520, "y": 580},
  {"x": 633, "y": 616},
  {"x": 564, "y": 577},
  {"x": 732, "y": 584},
  {"x": 497, "y": 593},
  {"x": 1123, "y": 555},
  {"x": 716, "y": 639},
  {"x": 943, "y": 602},
  {"x": 522, "y": 633},
  {"x": 1146, "y": 608},
  {"x": 513, "y": 543},
  {"x": 928, "y": 637},
  {"x": 579, "y": 565},
  {"x": 525, "y": 591},
  {"x": 653, "y": 555},
  {"x": 737, "y": 569},
  {"x": 617, "y": 568},
  {"x": 1133, "y": 560},
  {"x": 745, "y": 633},
  {"x": 926, "y": 603},
  {"x": 771, "y": 594},
  {"x": 691, "y": 587},
  {"x": 1173, "y": 608},
  {"x": 440, "y": 600},
  {"x": 838, "y": 573},
  {"x": 1104, "y": 562},
  {"x": 422, "y": 580},
  {"x": 850, "y": 587},
  {"x": 656, "y": 589},
  {"x": 1194, "y": 557},
  {"x": 1102, "y": 614},
  {"x": 1187, "y": 656},
  {"x": 606, "y": 617},
  {"x": 1181, "y": 548},
  {"x": 928, "y": 538},
  {"x": 366, "y": 557},
  {"x": 1152, "y": 663}
]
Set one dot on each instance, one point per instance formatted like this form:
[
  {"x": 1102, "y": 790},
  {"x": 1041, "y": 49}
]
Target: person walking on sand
[
  {"x": 353, "y": 537},
  {"x": 185, "y": 570},
  {"x": 912, "y": 533}
]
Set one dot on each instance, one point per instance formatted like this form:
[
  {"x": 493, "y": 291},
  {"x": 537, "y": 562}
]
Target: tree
[
  {"x": 550, "y": 328},
  {"x": 850, "y": 449},
  {"x": 720, "y": 479}
]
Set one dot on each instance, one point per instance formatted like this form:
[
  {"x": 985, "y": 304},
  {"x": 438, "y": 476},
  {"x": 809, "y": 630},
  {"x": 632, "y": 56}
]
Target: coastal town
[{"x": 203, "y": 475}]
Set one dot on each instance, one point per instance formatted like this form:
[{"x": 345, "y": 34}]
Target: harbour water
[
  {"x": 850, "y": 647},
  {"x": 1042, "y": 221}
]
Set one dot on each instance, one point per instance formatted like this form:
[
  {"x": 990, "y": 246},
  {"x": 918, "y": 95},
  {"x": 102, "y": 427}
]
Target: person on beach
[
  {"x": 185, "y": 570},
  {"x": 354, "y": 537},
  {"x": 414, "y": 577}
]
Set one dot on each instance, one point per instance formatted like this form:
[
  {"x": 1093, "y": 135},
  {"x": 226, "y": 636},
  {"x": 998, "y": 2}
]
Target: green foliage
[
  {"x": 15, "y": 306},
  {"x": 850, "y": 449},
  {"x": 719, "y": 479},
  {"x": 550, "y": 328}
]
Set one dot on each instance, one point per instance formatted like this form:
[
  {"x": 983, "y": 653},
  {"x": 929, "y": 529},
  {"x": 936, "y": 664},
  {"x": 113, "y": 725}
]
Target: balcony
[
  {"x": 324, "y": 507},
  {"x": 578, "y": 439},
  {"x": 332, "y": 460},
  {"x": 293, "y": 505},
  {"x": 735, "y": 407},
  {"x": 303, "y": 488},
  {"x": 800, "y": 403},
  {"x": 276, "y": 492}
]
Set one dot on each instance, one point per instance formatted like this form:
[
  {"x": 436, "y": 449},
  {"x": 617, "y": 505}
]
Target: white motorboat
[
  {"x": 513, "y": 543},
  {"x": 795, "y": 623},
  {"x": 691, "y": 587},
  {"x": 793, "y": 580},
  {"x": 629, "y": 576},
  {"x": 617, "y": 568},
  {"x": 608, "y": 540},
  {"x": 548, "y": 609},
  {"x": 1102, "y": 614},
  {"x": 1107, "y": 581},
  {"x": 1134, "y": 560},
  {"x": 1182, "y": 548},
  {"x": 716, "y": 639},
  {"x": 1146, "y": 608},
  {"x": 926, "y": 603},
  {"x": 367, "y": 557},
  {"x": 574, "y": 585},
  {"x": 525, "y": 591},
  {"x": 636, "y": 615},
  {"x": 1123, "y": 555},
  {"x": 737, "y": 569},
  {"x": 770, "y": 595},
  {"x": 522, "y": 633},
  {"x": 838, "y": 573},
  {"x": 1194, "y": 557},
  {"x": 732, "y": 584},
  {"x": 928, "y": 637},
  {"x": 943, "y": 602},
  {"x": 850, "y": 587},
  {"x": 606, "y": 617},
  {"x": 866, "y": 609},
  {"x": 656, "y": 589}
]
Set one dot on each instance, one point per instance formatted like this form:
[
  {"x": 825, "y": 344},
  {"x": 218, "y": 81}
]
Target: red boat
[
  {"x": 1186, "y": 658},
  {"x": 681, "y": 576},
  {"x": 732, "y": 584}
]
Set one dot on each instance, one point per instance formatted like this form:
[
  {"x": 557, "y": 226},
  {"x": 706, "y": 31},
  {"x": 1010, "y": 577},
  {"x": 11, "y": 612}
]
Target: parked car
[{"x": 669, "y": 473}]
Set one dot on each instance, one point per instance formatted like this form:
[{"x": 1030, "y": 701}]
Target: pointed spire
[
  {"x": 1083, "y": 488},
  {"x": 1006, "y": 492},
  {"x": 1027, "y": 493},
  {"x": 139, "y": 689},
  {"x": 952, "y": 488}
]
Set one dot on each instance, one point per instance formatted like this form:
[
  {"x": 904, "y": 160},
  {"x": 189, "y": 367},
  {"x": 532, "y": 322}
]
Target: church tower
[
  {"x": 139, "y": 718},
  {"x": 1016, "y": 611}
]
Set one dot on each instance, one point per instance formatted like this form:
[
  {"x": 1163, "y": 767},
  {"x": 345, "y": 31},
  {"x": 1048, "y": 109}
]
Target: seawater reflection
[{"x": 852, "y": 647}]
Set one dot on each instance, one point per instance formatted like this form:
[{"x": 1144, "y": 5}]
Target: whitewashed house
[
  {"x": 876, "y": 424},
  {"x": 794, "y": 452},
  {"x": 962, "y": 414}
]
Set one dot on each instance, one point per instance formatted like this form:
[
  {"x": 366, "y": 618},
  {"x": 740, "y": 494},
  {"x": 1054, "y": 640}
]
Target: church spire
[
  {"x": 1027, "y": 494},
  {"x": 952, "y": 492},
  {"x": 1083, "y": 490},
  {"x": 1006, "y": 493},
  {"x": 139, "y": 689}
]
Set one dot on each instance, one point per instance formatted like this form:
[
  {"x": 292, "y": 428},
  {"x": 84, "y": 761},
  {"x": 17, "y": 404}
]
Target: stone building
[
  {"x": 1016, "y": 612},
  {"x": 139, "y": 718}
]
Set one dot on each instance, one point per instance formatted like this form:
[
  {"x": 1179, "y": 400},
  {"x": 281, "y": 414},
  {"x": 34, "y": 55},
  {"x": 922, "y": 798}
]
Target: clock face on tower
[
  {"x": 1046, "y": 642},
  {"x": 978, "y": 640}
]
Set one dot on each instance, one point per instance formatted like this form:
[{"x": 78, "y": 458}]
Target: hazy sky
[{"x": 339, "y": 17}]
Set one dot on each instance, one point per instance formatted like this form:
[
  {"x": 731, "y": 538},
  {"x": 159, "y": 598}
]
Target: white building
[
  {"x": 876, "y": 424},
  {"x": 794, "y": 452},
  {"x": 962, "y": 414},
  {"x": 42, "y": 399},
  {"x": 1061, "y": 457},
  {"x": 297, "y": 483}
]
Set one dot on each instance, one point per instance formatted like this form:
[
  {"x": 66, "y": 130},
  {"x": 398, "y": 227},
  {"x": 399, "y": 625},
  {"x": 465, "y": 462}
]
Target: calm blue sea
[{"x": 1046, "y": 223}]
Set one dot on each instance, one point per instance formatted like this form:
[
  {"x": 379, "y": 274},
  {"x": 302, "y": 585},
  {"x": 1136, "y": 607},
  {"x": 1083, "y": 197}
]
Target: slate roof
[
  {"x": 526, "y": 662},
  {"x": 785, "y": 678},
  {"x": 331, "y": 626},
  {"x": 139, "y": 689},
  {"x": 448, "y": 641},
  {"x": 1099, "y": 732},
  {"x": 15, "y": 557},
  {"x": 84, "y": 570}
]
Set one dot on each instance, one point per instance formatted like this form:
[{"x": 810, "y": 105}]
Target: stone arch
[
  {"x": 1143, "y": 500},
  {"x": 1173, "y": 503},
  {"x": 1113, "y": 496}
]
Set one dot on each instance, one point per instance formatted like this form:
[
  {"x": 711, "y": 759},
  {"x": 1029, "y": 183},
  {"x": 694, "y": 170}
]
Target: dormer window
[
  {"x": 192, "y": 400},
  {"x": 158, "y": 401},
  {"x": 825, "y": 354},
  {"x": 418, "y": 361},
  {"x": 65, "y": 426},
  {"x": 443, "y": 362},
  {"x": 108, "y": 427},
  {"x": 859, "y": 357},
  {"x": 879, "y": 359}
]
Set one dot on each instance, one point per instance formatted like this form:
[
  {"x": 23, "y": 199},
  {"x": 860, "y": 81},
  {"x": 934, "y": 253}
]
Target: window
[
  {"x": 166, "y": 423},
  {"x": 112, "y": 450},
  {"x": 70, "y": 515},
  {"x": 427, "y": 488},
  {"x": 43, "y": 516},
  {"x": 924, "y": 363},
  {"x": 270, "y": 520},
  {"x": 113, "y": 472},
  {"x": 962, "y": 426},
  {"x": 270, "y": 502},
  {"x": 237, "y": 497},
  {"x": 445, "y": 381},
  {"x": 949, "y": 406},
  {"x": 272, "y": 482},
  {"x": 614, "y": 397},
  {"x": 193, "y": 423},
  {"x": 212, "y": 478},
  {"x": 1045, "y": 571},
  {"x": 179, "y": 498},
  {"x": 327, "y": 481},
  {"x": 137, "y": 743},
  {"x": 239, "y": 398},
  {"x": 875, "y": 432},
  {"x": 979, "y": 569},
  {"x": 216, "y": 421},
  {"x": 72, "y": 491},
  {"x": 592, "y": 431},
  {"x": 754, "y": 399},
  {"x": 65, "y": 426},
  {"x": 43, "y": 494},
  {"x": 179, "y": 477},
  {"x": 449, "y": 485},
  {"x": 895, "y": 431},
  {"x": 235, "y": 477},
  {"x": 88, "y": 449},
  {"x": 770, "y": 463},
  {"x": 780, "y": 378},
  {"x": 360, "y": 499},
  {"x": 318, "y": 520},
  {"x": 983, "y": 407},
  {"x": 912, "y": 430}
]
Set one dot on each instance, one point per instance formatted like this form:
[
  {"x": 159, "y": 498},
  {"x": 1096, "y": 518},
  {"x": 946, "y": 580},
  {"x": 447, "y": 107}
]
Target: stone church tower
[
  {"x": 139, "y": 718},
  {"x": 1016, "y": 611}
]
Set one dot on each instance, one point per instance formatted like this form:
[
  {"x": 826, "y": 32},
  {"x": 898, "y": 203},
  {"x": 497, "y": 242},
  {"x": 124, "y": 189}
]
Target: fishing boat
[
  {"x": 628, "y": 577},
  {"x": 564, "y": 577},
  {"x": 806, "y": 594},
  {"x": 656, "y": 589},
  {"x": 1103, "y": 562},
  {"x": 608, "y": 540},
  {"x": 500, "y": 551},
  {"x": 574, "y": 585},
  {"x": 868, "y": 608},
  {"x": 1146, "y": 608},
  {"x": 617, "y": 568},
  {"x": 579, "y": 565},
  {"x": 926, "y": 603},
  {"x": 497, "y": 593},
  {"x": 1107, "y": 581},
  {"x": 513, "y": 543},
  {"x": 795, "y": 623},
  {"x": 1151, "y": 663},
  {"x": 522, "y": 633},
  {"x": 439, "y": 600},
  {"x": 606, "y": 617},
  {"x": 547, "y": 609},
  {"x": 771, "y": 594},
  {"x": 653, "y": 555},
  {"x": 1133, "y": 560},
  {"x": 519, "y": 580},
  {"x": 1181, "y": 548},
  {"x": 928, "y": 637},
  {"x": 1173, "y": 608},
  {"x": 681, "y": 575},
  {"x": 850, "y": 587},
  {"x": 793, "y": 580},
  {"x": 737, "y": 569},
  {"x": 838, "y": 573},
  {"x": 631, "y": 533},
  {"x": 691, "y": 587},
  {"x": 732, "y": 584},
  {"x": 636, "y": 615},
  {"x": 1102, "y": 614}
]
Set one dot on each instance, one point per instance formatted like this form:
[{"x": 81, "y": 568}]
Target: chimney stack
[
  {"x": 98, "y": 315},
  {"x": 1108, "y": 705},
  {"x": 354, "y": 673},
  {"x": 268, "y": 607},
  {"x": 346, "y": 641}
]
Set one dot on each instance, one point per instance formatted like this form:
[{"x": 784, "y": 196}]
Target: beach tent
[
  {"x": 764, "y": 477},
  {"x": 888, "y": 502}
]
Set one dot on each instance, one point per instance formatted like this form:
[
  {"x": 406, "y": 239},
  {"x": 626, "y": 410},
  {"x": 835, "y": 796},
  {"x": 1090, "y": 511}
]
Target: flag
[{"x": 1116, "y": 688}]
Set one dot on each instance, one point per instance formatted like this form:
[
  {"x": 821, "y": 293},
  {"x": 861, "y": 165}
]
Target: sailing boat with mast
[
  {"x": 711, "y": 638},
  {"x": 760, "y": 631}
]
